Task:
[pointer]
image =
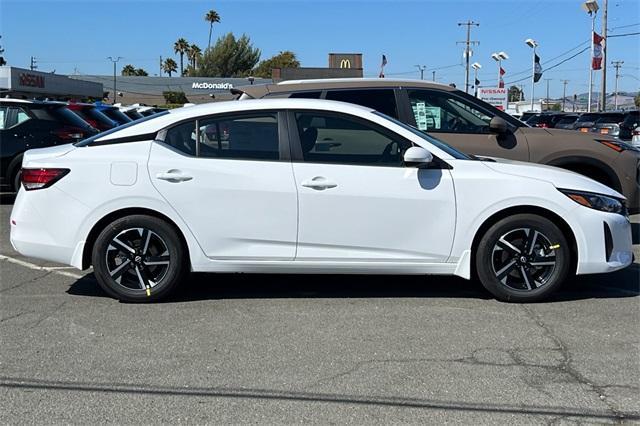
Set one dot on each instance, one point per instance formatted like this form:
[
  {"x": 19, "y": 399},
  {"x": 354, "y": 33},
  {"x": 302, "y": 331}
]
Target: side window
[
  {"x": 15, "y": 116},
  {"x": 3, "y": 114},
  {"x": 22, "y": 115},
  {"x": 182, "y": 137},
  {"x": 382, "y": 100},
  {"x": 441, "y": 112},
  {"x": 249, "y": 137},
  {"x": 306, "y": 95},
  {"x": 342, "y": 139}
]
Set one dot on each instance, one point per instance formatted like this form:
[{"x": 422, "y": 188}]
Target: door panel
[
  {"x": 375, "y": 213},
  {"x": 462, "y": 125}
]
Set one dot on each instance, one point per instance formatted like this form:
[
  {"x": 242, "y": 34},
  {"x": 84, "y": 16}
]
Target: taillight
[
  {"x": 69, "y": 133},
  {"x": 41, "y": 178},
  {"x": 542, "y": 125}
]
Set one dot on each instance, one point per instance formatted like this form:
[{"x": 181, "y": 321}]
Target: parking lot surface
[{"x": 314, "y": 349}]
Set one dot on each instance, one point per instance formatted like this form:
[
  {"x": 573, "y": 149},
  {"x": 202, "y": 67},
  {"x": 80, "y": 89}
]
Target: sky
[{"x": 77, "y": 36}]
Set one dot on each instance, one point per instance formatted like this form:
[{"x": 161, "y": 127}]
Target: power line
[{"x": 624, "y": 35}]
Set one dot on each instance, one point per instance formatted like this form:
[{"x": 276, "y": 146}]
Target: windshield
[
  {"x": 433, "y": 141},
  {"x": 87, "y": 141},
  {"x": 587, "y": 117}
]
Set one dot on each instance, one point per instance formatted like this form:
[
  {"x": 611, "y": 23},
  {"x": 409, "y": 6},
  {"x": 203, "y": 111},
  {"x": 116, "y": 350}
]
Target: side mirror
[
  {"x": 416, "y": 156},
  {"x": 498, "y": 125}
]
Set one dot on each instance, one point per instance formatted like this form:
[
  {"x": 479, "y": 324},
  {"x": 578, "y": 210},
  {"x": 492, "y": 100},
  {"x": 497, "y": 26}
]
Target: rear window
[
  {"x": 60, "y": 114},
  {"x": 88, "y": 141},
  {"x": 587, "y": 117},
  {"x": 567, "y": 120},
  {"x": 117, "y": 115},
  {"x": 610, "y": 118},
  {"x": 382, "y": 100}
]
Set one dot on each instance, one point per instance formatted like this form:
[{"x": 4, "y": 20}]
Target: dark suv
[
  {"x": 475, "y": 127},
  {"x": 32, "y": 124}
]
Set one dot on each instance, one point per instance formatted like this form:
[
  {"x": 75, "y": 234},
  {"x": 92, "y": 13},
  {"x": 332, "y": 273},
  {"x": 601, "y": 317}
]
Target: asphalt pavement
[{"x": 235, "y": 348}]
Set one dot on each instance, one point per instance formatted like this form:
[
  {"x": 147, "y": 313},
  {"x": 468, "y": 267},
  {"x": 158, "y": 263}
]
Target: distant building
[
  {"x": 28, "y": 84},
  {"x": 341, "y": 65}
]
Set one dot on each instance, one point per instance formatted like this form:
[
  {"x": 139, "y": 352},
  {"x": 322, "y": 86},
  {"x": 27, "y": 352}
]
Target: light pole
[
  {"x": 546, "y": 100},
  {"x": 564, "y": 92},
  {"x": 617, "y": 65},
  {"x": 115, "y": 61},
  {"x": 421, "y": 68},
  {"x": 499, "y": 57},
  {"x": 591, "y": 7},
  {"x": 532, "y": 44},
  {"x": 476, "y": 66},
  {"x": 433, "y": 75}
]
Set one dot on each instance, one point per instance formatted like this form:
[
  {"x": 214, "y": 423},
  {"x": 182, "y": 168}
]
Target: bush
[{"x": 175, "y": 97}]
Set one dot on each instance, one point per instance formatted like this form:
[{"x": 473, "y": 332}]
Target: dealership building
[{"x": 28, "y": 84}]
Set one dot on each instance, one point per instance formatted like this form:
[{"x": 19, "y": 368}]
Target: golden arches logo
[{"x": 345, "y": 63}]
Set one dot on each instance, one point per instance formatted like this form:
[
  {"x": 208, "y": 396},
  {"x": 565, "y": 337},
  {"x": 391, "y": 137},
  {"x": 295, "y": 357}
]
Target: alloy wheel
[
  {"x": 137, "y": 259},
  {"x": 523, "y": 259}
]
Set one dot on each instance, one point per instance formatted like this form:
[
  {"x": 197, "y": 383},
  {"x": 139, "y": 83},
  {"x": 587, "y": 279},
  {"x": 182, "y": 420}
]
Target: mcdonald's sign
[{"x": 345, "y": 63}]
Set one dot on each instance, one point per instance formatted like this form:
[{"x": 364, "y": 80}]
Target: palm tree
[
  {"x": 128, "y": 70},
  {"x": 169, "y": 66},
  {"x": 181, "y": 46},
  {"x": 193, "y": 53},
  {"x": 211, "y": 17}
]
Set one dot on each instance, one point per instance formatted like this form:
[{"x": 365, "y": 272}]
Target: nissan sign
[{"x": 31, "y": 80}]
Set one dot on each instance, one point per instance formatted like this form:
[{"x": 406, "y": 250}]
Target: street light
[
  {"x": 532, "y": 44},
  {"x": 591, "y": 7},
  {"x": 421, "y": 68},
  {"x": 499, "y": 57},
  {"x": 115, "y": 61},
  {"x": 476, "y": 66}
]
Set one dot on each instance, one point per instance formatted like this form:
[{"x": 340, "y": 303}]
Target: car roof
[
  {"x": 31, "y": 103},
  {"x": 261, "y": 90}
]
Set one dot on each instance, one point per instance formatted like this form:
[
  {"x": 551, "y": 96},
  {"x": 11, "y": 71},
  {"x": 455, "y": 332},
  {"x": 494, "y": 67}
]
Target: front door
[
  {"x": 465, "y": 126},
  {"x": 225, "y": 177},
  {"x": 357, "y": 200}
]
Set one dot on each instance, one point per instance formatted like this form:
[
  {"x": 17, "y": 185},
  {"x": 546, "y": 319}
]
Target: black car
[
  {"x": 33, "y": 124},
  {"x": 567, "y": 121},
  {"x": 545, "y": 119},
  {"x": 628, "y": 125},
  {"x": 585, "y": 122},
  {"x": 608, "y": 124}
]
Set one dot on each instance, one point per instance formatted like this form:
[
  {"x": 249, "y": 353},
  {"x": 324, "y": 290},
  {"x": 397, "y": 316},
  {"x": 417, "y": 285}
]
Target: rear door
[
  {"x": 229, "y": 177},
  {"x": 461, "y": 124}
]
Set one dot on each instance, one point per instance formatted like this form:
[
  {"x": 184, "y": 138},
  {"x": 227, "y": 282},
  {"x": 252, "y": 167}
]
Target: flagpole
[{"x": 593, "y": 29}]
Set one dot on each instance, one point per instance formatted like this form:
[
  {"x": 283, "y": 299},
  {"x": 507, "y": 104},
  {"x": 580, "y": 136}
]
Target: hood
[
  {"x": 541, "y": 131},
  {"x": 559, "y": 178},
  {"x": 50, "y": 152}
]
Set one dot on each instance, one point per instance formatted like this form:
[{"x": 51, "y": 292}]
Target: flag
[
  {"x": 501, "y": 83},
  {"x": 384, "y": 62},
  {"x": 477, "y": 82},
  {"x": 502, "y": 72},
  {"x": 537, "y": 69},
  {"x": 596, "y": 60}
]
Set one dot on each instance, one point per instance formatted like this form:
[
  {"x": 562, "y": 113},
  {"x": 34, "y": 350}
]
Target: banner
[{"x": 596, "y": 61}]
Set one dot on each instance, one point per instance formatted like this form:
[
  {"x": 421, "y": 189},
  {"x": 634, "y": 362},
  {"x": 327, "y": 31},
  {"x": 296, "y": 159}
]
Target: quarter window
[
  {"x": 341, "y": 139},
  {"x": 440, "y": 112}
]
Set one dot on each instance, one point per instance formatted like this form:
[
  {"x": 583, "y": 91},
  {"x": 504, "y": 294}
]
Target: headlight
[{"x": 600, "y": 202}]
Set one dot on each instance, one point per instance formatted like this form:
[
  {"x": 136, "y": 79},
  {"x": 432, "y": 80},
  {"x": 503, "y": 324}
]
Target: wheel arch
[
  {"x": 118, "y": 214},
  {"x": 525, "y": 209},
  {"x": 575, "y": 163}
]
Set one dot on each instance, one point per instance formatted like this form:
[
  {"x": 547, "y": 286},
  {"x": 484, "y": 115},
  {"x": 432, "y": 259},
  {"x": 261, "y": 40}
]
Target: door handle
[
  {"x": 174, "y": 176},
  {"x": 319, "y": 183}
]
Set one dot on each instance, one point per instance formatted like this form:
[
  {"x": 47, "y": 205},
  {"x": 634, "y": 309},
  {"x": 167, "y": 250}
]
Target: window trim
[
  {"x": 283, "y": 137},
  {"x": 296, "y": 146}
]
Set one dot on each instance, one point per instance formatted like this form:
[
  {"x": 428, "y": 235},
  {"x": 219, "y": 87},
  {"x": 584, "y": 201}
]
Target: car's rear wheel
[
  {"x": 523, "y": 258},
  {"x": 139, "y": 258}
]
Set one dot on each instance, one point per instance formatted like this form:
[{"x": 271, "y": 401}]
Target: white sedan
[{"x": 307, "y": 186}]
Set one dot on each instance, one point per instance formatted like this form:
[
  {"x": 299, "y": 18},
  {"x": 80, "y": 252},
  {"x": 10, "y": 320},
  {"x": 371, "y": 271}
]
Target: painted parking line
[{"x": 54, "y": 269}]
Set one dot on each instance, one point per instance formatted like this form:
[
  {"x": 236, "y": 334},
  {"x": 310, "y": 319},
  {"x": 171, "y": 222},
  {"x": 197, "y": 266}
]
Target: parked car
[
  {"x": 92, "y": 115},
  {"x": 608, "y": 124},
  {"x": 149, "y": 110},
  {"x": 635, "y": 138},
  {"x": 308, "y": 186},
  {"x": 113, "y": 113},
  {"x": 629, "y": 124},
  {"x": 475, "y": 127},
  {"x": 545, "y": 120},
  {"x": 566, "y": 121},
  {"x": 527, "y": 115},
  {"x": 33, "y": 124},
  {"x": 585, "y": 122},
  {"x": 131, "y": 112}
]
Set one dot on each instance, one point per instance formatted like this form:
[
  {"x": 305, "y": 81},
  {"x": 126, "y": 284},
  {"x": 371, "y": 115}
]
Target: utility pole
[
  {"x": 421, "y": 68},
  {"x": 433, "y": 75},
  {"x": 603, "y": 96},
  {"x": 564, "y": 92},
  {"x": 34, "y": 64},
  {"x": 160, "y": 66},
  {"x": 546, "y": 101},
  {"x": 617, "y": 65},
  {"x": 467, "y": 50},
  {"x": 115, "y": 91}
]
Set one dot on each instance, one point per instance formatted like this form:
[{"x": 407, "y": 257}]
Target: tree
[
  {"x": 515, "y": 94},
  {"x": 286, "y": 59},
  {"x": 229, "y": 58},
  {"x": 193, "y": 54},
  {"x": 140, "y": 72},
  {"x": 169, "y": 66},
  {"x": 128, "y": 70},
  {"x": 636, "y": 100},
  {"x": 211, "y": 17},
  {"x": 555, "y": 107},
  {"x": 181, "y": 46},
  {"x": 175, "y": 97}
]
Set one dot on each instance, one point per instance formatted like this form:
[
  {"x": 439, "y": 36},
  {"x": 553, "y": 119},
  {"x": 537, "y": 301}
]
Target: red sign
[{"x": 31, "y": 80}]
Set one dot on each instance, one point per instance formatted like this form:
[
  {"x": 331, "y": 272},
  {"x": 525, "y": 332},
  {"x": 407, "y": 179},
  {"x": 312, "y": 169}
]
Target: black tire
[
  {"x": 16, "y": 180},
  {"x": 158, "y": 261},
  {"x": 14, "y": 169},
  {"x": 511, "y": 270}
]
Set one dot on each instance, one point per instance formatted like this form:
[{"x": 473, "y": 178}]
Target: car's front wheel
[
  {"x": 138, "y": 258},
  {"x": 523, "y": 258}
]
